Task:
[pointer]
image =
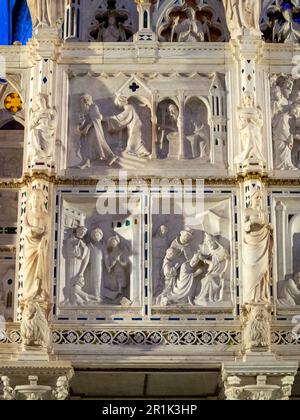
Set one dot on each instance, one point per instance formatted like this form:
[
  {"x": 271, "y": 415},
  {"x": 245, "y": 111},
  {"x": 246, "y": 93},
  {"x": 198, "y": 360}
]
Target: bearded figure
[{"x": 34, "y": 327}]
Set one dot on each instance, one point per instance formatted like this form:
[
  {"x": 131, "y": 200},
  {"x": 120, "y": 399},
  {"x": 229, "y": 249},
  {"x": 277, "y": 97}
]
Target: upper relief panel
[{"x": 147, "y": 124}]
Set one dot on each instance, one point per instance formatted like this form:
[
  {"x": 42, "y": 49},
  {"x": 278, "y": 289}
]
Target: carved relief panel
[
  {"x": 100, "y": 253},
  {"x": 138, "y": 123}
]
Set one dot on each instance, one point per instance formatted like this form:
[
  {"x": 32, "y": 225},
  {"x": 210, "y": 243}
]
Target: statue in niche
[
  {"x": 43, "y": 124},
  {"x": 36, "y": 249},
  {"x": 212, "y": 285},
  {"x": 198, "y": 141},
  {"x": 257, "y": 252},
  {"x": 184, "y": 289},
  {"x": 183, "y": 243},
  {"x": 159, "y": 245},
  {"x": 168, "y": 131},
  {"x": 118, "y": 266},
  {"x": 130, "y": 120},
  {"x": 114, "y": 31},
  {"x": 34, "y": 326},
  {"x": 97, "y": 259},
  {"x": 243, "y": 14},
  {"x": 46, "y": 12},
  {"x": 288, "y": 291},
  {"x": 197, "y": 129},
  {"x": 250, "y": 123},
  {"x": 77, "y": 256},
  {"x": 190, "y": 29},
  {"x": 93, "y": 145}
]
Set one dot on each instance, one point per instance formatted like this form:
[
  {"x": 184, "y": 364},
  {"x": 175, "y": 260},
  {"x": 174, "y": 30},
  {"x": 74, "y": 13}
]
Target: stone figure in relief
[
  {"x": 212, "y": 285},
  {"x": 43, "y": 124},
  {"x": 113, "y": 32},
  {"x": 250, "y": 123},
  {"x": 190, "y": 29},
  {"x": 170, "y": 271},
  {"x": 288, "y": 291},
  {"x": 185, "y": 286},
  {"x": 130, "y": 120},
  {"x": 93, "y": 145},
  {"x": 36, "y": 249},
  {"x": 8, "y": 392},
  {"x": 77, "y": 256},
  {"x": 46, "y": 12},
  {"x": 257, "y": 333},
  {"x": 257, "y": 252},
  {"x": 97, "y": 259},
  {"x": 198, "y": 141},
  {"x": 183, "y": 243},
  {"x": 159, "y": 246},
  {"x": 118, "y": 266},
  {"x": 34, "y": 326},
  {"x": 243, "y": 14},
  {"x": 61, "y": 392},
  {"x": 169, "y": 132}
]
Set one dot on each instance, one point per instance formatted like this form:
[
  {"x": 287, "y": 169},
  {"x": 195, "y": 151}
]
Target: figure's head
[
  {"x": 173, "y": 111},
  {"x": 276, "y": 92},
  {"x": 80, "y": 232},
  {"x": 210, "y": 242},
  {"x": 295, "y": 110},
  {"x": 195, "y": 260},
  {"x": 163, "y": 231},
  {"x": 112, "y": 20},
  {"x": 191, "y": 13},
  {"x": 248, "y": 100},
  {"x": 186, "y": 236},
  {"x": 257, "y": 200},
  {"x": 37, "y": 201},
  {"x": 86, "y": 101},
  {"x": 297, "y": 279},
  {"x": 113, "y": 242},
  {"x": 62, "y": 381},
  {"x": 121, "y": 101},
  {"x": 171, "y": 253},
  {"x": 97, "y": 235},
  {"x": 287, "y": 86},
  {"x": 42, "y": 101}
]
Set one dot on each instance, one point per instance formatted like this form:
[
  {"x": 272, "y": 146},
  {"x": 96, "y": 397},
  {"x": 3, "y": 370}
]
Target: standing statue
[
  {"x": 130, "y": 120},
  {"x": 257, "y": 252},
  {"x": 36, "y": 249},
  {"x": 243, "y": 15},
  {"x": 77, "y": 256},
  {"x": 183, "y": 243},
  {"x": 170, "y": 270},
  {"x": 250, "y": 123},
  {"x": 93, "y": 145},
  {"x": 43, "y": 124},
  {"x": 97, "y": 256},
  {"x": 159, "y": 246},
  {"x": 46, "y": 12}
]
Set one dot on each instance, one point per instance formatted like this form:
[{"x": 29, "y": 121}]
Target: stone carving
[
  {"x": 8, "y": 392},
  {"x": 281, "y": 22},
  {"x": 197, "y": 130},
  {"x": 288, "y": 291},
  {"x": 46, "y": 12},
  {"x": 97, "y": 271},
  {"x": 43, "y": 124},
  {"x": 189, "y": 29},
  {"x": 250, "y": 123},
  {"x": 113, "y": 32},
  {"x": 257, "y": 332},
  {"x": 212, "y": 285},
  {"x": 61, "y": 392},
  {"x": 193, "y": 278},
  {"x": 159, "y": 246},
  {"x": 35, "y": 331},
  {"x": 286, "y": 109},
  {"x": 257, "y": 252},
  {"x": 168, "y": 130},
  {"x": 93, "y": 145},
  {"x": 129, "y": 120},
  {"x": 36, "y": 249},
  {"x": 243, "y": 15}
]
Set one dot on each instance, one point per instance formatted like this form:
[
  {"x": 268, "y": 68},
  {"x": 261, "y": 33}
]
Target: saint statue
[
  {"x": 46, "y": 12},
  {"x": 243, "y": 14},
  {"x": 97, "y": 257},
  {"x": 250, "y": 122},
  {"x": 93, "y": 145},
  {"x": 36, "y": 249},
  {"x": 257, "y": 252},
  {"x": 113, "y": 32},
  {"x": 159, "y": 246},
  {"x": 43, "y": 123},
  {"x": 130, "y": 120}
]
